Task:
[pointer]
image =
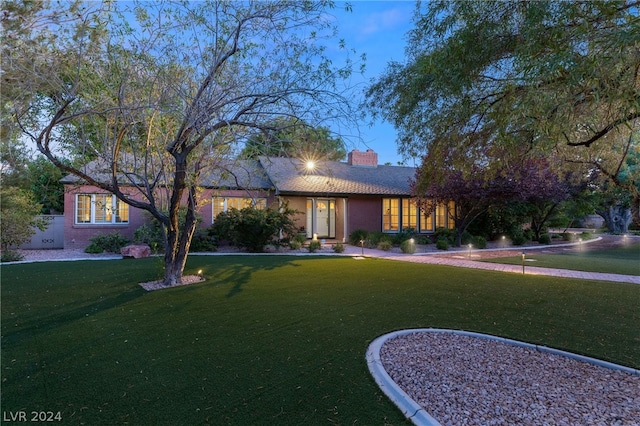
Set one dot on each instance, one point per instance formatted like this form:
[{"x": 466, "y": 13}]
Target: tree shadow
[{"x": 237, "y": 270}]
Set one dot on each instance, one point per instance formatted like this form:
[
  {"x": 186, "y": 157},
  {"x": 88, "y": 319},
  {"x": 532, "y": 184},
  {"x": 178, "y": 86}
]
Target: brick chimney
[{"x": 363, "y": 159}]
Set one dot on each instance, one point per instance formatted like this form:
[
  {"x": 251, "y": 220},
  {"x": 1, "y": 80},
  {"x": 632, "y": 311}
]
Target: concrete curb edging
[{"x": 417, "y": 414}]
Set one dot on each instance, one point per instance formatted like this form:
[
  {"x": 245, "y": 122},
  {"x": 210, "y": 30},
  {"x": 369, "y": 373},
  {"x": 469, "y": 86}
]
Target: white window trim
[{"x": 92, "y": 213}]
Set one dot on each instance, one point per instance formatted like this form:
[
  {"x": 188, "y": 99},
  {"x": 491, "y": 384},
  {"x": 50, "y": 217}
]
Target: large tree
[
  {"x": 540, "y": 76},
  {"x": 290, "y": 137},
  {"x": 157, "y": 93}
]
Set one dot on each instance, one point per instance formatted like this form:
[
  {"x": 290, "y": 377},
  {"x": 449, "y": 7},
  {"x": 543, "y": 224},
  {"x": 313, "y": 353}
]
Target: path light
[
  {"x": 310, "y": 165},
  {"x": 469, "y": 255},
  {"x": 362, "y": 245},
  {"x": 579, "y": 244},
  {"x": 523, "y": 258},
  {"x": 200, "y": 273},
  {"x": 504, "y": 241}
]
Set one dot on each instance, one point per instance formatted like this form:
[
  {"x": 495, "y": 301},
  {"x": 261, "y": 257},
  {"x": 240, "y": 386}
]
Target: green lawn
[
  {"x": 624, "y": 260},
  {"x": 267, "y": 339}
]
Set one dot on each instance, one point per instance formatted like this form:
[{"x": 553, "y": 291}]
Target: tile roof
[{"x": 290, "y": 176}]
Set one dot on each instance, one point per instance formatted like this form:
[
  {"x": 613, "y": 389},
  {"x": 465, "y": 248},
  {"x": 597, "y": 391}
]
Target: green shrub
[
  {"x": 446, "y": 234},
  {"x": 357, "y": 236},
  {"x": 408, "y": 246},
  {"x": 467, "y": 238},
  {"x": 94, "y": 248},
  {"x": 384, "y": 245},
  {"x": 11, "y": 256},
  {"x": 479, "y": 242},
  {"x": 544, "y": 239},
  {"x": 111, "y": 243},
  {"x": 338, "y": 247},
  {"x": 586, "y": 236},
  {"x": 442, "y": 244},
  {"x": 517, "y": 237},
  {"x": 254, "y": 229},
  {"x": 295, "y": 244},
  {"x": 529, "y": 235},
  {"x": 150, "y": 234},
  {"x": 202, "y": 241},
  {"x": 567, "y": 236},
  {"x": 300, "y": 237},
  {"x": 404, "y": 235},
  {"x": 374, "y": 238},
  {"x": 314, "y": 245}
]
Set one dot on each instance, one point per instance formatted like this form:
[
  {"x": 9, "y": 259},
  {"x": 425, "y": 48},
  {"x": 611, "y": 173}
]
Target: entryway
[{"x": 321, "y": 217}]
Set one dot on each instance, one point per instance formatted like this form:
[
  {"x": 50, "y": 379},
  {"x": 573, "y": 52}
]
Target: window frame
[
  {"x": 405, "y": 213},
  {"x": 96, "y": 209}
]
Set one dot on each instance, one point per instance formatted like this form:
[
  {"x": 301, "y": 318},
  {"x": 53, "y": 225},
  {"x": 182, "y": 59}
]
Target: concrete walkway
[{"x": 436, "y": 258}]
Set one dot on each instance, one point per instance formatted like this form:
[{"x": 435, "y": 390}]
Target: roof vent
[{"x": 363, "y": 159}]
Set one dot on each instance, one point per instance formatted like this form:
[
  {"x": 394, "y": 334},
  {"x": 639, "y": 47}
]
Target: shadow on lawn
[
  {"x": 237, "y": 270},
  {"x": 32, "y": 322}
]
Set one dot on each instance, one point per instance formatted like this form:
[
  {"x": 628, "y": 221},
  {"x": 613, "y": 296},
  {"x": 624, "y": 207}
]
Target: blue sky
[{"x": 377, "y": 28}]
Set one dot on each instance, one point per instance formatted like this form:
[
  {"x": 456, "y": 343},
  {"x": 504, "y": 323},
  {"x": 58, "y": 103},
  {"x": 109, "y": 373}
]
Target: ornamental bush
[
  {"x": 357, "y": 236},
  {"x": 408, "y": 246},
  {"x": 314, "y": 245},
  {"x": 111, "y": 243},
  {"x": 254, "y": 229}
]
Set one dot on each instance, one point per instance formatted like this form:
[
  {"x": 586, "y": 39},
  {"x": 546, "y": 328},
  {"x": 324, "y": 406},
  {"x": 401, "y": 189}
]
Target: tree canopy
[
  {"x": 157, "y": 93},
  {"x": 532, "y": 77},
  {"x": 293, "y": 138}
]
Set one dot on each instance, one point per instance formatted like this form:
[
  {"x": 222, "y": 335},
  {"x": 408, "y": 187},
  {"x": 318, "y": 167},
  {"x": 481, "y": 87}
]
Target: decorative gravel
[{"x": 465, "y": 380}]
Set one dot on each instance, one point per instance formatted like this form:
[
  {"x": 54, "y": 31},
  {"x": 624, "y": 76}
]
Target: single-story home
[{"x": 334, "y": 198}]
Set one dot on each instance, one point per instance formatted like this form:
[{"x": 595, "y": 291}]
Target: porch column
[{"x": 345, "y": 235}]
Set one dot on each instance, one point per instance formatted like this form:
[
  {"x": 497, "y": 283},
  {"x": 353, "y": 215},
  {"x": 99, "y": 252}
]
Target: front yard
[{"x": 267, "y": 339}]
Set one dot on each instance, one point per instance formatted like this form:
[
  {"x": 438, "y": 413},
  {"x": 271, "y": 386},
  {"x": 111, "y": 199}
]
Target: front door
[{"x": 321, "y": 217}]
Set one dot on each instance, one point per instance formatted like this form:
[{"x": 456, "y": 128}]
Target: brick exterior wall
[
  {"x": 364, "y": 213},
  {"x": 77, "y": 236},
  {"x": 369, "y": 158}
]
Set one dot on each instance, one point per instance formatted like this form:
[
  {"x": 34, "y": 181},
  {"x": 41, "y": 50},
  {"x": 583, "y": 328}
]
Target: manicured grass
[
  {"x": 267, "y": 339},
  {"x": 624, "y": 260}
]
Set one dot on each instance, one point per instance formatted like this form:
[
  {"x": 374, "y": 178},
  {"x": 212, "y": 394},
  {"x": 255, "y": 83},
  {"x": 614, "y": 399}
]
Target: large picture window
[
  {"x": 101, "y": 209},
  {"x": 404, "y": 213},
  {"x": 223, "y": 204}
]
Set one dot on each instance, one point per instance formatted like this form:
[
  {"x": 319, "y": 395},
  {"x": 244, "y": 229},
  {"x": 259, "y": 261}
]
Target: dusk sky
[{"x": 377, "y": 28}]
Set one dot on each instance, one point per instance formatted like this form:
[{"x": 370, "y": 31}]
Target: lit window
[
  {"x": 445, "y": 215},
  {"x": 223, "y": 204},
  {"x": 101, "y": 209},
  {"x": 390, "y": 214},
  {"x": 409, "y": 214},
  {"x": 426, "y": 220}
]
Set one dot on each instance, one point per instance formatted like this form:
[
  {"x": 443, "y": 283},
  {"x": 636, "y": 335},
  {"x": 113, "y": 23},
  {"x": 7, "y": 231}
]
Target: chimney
[{"x": 363, "y": 159}]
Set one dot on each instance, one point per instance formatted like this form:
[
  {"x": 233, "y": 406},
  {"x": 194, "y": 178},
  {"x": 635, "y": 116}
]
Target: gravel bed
[{"x": 464, "y": 380}]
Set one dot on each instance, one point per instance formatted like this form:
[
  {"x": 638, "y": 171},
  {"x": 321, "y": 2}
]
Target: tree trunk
[
  {"x": 616, "y": 218},
  {"x": 178, "y": 243}
]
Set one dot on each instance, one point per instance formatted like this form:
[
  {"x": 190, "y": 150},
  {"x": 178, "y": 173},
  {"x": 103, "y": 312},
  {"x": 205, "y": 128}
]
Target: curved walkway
[{"x": 436, "y": 258}]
